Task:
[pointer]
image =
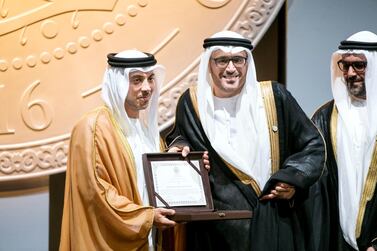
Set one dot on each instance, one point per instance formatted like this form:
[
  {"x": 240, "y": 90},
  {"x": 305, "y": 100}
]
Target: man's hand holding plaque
[{"x": 179, "y": 180}]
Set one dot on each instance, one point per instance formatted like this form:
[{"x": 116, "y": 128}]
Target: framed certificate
[
  {"x": 177, "y": 182},
  {"x": 183, "y": 185}
]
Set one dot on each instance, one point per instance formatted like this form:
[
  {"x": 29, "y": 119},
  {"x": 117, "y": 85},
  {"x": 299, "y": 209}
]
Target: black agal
[
  {"x": 131, "y": 62},
  {"x": 227, "y": 41}
]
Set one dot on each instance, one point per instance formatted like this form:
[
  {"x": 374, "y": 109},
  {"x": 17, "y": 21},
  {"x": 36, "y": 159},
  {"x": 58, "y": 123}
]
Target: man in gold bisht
[{"x": 106, "y": 203}]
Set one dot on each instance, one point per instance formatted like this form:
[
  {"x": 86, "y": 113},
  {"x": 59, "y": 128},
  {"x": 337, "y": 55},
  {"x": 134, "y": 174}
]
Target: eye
[
  {"x": 359, "y": 66},
  {"x": 346, "y": 65},
  {"x": 238, "y": 60},
  {"x": 137, "y": 80},
  {"x": 222, "y": 60},
  {"x": 151, "y": 78},
  {"x": 343, "y": 66}
]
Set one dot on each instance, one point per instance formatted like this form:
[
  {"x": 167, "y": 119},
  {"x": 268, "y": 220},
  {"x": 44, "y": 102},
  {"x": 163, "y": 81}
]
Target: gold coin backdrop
[{"x": 53, "y": 56}]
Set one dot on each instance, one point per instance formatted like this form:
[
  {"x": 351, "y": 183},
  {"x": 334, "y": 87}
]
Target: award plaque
[{"x": 182, "y": 184}]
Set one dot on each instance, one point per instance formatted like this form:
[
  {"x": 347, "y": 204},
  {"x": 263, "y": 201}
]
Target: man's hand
[
  {"x": 206, "y": 161},
  {"x": 160, "y": 220},
  {"x": 185, "y": 150},
  {"x": 282, "y": 191},
  {"x": 371, "y": 249}
]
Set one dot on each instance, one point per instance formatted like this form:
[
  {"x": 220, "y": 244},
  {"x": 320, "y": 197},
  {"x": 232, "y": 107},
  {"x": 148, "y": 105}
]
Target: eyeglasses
[
  {"x": 358, "y": 66},
  {"x": 222, "y": 62}
]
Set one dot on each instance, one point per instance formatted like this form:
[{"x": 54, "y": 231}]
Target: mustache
[
  {"x": 354, "y": 79},
  {"x": 230, "y": 75},
  {"x": 146, "y": 94}
]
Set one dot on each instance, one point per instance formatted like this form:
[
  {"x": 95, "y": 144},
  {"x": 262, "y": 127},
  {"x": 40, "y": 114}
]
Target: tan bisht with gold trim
[{"x": 102, "y": 205}]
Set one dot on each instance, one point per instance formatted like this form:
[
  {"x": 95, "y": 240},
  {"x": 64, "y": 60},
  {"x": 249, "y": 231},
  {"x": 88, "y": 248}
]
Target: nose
[
  {"x": 146, "y": 87},
  {"x": 351, "y": 71},
  {"x": 230, "y": 67}
]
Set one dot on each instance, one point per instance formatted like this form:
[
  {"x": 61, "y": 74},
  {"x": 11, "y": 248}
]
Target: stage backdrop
[
  {"x": 52, "y": 60},
  {"x": 53, "y": 55}
]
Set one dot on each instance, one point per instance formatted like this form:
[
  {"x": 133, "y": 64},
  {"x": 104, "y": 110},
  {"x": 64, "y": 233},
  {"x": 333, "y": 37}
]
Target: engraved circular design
[
  {"x": 45, "y": 57},
  {"x": 213, "y": 4},
  {"x": 41, "y": 104},
  {"x": 142, "y": 3},
  {"x": 17, "y": 63},
  {"x": 3, "y": 65},
  {"x": 120, "y": 19},
  {"x": 49, "y": 29},
  {"x": 84, "y": 42},
  {"x": 59, "y": 53},
  {"x": 31, "y": 61},
  {"x": 71, "y": 47},
  {"x": 132, "y": 11},
  {"x": 29, "y": 160},
  {"x": 97, "y": 35},
  {"x": 109, "y": 27}
]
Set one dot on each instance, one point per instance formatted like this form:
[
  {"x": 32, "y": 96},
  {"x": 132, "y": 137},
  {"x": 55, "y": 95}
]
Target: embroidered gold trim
[
  {"x": 163, "y": 146},
  {"x": 272, "y": 121},
  {"x": 370, "y": 182},
  {"x": 124, "y": 142},
  {"x": 244, "y": 178},
  {"x": 333, "y": 128},
  {"x": 194, "y": 99},
  {"x": 94, "y": 152},
  {"x": 369, "y": 188}
]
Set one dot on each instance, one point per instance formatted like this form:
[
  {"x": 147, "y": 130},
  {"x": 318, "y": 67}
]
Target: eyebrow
[
  {"x": 357, "y": 55},
  {"x": 137, "y": 76},
  {"x": 141, "y": 75},
  {"x": 354, "y": 61}
]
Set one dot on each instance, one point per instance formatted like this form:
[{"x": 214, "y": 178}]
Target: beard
[{"x": 356, "y": 89}]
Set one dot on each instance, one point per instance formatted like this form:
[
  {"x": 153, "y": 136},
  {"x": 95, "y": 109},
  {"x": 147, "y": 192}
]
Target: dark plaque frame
[{"x": 188, "y": 212}]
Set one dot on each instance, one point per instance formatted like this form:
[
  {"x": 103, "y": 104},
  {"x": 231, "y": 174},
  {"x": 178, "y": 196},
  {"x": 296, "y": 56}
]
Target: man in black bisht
[
  {"x": 349, "y": 124},
  {"x": 264, "y": 151}
]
